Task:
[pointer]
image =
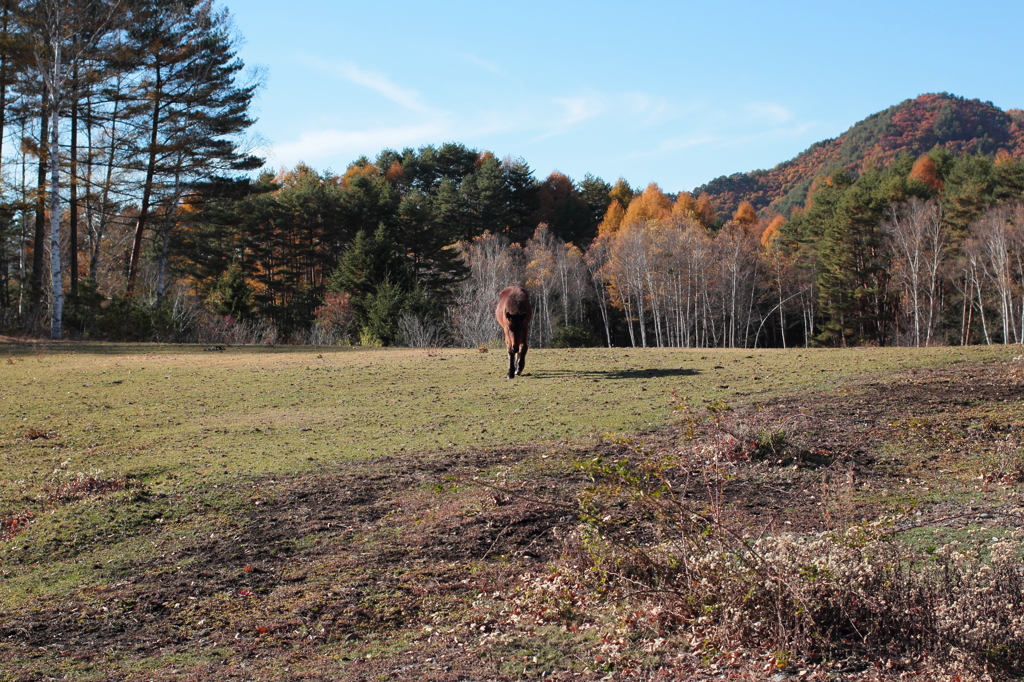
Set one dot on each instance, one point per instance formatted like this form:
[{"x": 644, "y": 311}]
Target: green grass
[{"x": 172, "y": 416}]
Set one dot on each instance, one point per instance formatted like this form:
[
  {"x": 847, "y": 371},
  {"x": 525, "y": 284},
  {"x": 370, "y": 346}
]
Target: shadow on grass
[{"x": 614, "y": 373}]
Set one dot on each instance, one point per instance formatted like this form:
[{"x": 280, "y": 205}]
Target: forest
[{"x": 133, "y": 207}]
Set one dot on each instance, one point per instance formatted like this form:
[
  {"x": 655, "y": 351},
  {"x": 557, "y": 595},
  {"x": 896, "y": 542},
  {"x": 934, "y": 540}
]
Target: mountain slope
[{"x": 914, "y": 126}]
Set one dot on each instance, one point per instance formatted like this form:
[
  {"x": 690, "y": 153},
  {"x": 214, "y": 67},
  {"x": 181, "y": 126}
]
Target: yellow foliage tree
[
  {"x": 745, "y": 215},
  {"x": 705, "y": 210},
  {"x": 612, "y": 219},
  {"x": 622, "y": 193},
  {"x": 291, "y": 177},
  {"x": 685, "y": 207},
  {"x": 650, "y": 206}
]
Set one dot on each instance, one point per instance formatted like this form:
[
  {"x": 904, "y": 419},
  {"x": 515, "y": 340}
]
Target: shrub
[
  {"x": 82, "y": 311},
  {"x": 333, "y": 319},
  {"x": 127, "y": 318},
  {"x": 573, "y": 336},
  {"x": 368, "y": 339}
]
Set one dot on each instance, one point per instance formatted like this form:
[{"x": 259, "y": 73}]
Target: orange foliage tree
[
  {"x": 613, "y": 219},
  {"x": 705, "y": 210},
  {"x": 745, "y": 215},
  {"x": 651, "y": 206},
  {"x": 924, "y": 170},
  {"x": 771, "y": 233},
  {"x": 395, "y": 173},
  {"x": 685, "y": 207},
  {"x": 360, "y": 167}
]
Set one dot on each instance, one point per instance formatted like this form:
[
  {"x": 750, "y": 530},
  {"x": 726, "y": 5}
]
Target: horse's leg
[
  {"x": 511, "y": 362},
  {"x": 522, "y": 359}
]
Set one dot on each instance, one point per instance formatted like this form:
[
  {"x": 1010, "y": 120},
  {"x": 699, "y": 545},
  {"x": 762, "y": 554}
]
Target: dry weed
[{"x": 658, "y": 539}]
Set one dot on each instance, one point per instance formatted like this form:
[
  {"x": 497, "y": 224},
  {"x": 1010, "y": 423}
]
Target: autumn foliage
[
  {"x": 916, "y": 126},
  {"x": 771, "y": 233},
  {"x": 650, "y": 206},
  {"x": 685, "y": 207},
  {"x": 613, "y": 219},
  {"x": 706, "y": 210},
  {"x": 925, "y": 170},
  {"x": 745, "y": 214}
]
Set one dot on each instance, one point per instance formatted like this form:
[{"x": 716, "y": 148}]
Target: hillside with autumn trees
[{"x": 914, "y": 126}]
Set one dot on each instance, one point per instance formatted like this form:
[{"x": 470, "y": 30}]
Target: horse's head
[{"x": 517, "y": 323}]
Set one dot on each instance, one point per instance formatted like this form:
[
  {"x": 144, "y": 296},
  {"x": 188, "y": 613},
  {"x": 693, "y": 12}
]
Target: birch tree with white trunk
[
  {"x": 919, "y": 240},
  {"x": 60, "y": 25}
]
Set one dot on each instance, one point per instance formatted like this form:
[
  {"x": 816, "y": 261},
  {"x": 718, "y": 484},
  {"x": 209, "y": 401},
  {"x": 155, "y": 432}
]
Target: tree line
[{"x": 924, "y": 251}]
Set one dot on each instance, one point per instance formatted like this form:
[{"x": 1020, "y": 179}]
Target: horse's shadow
[{"x": 614, "y": 373}]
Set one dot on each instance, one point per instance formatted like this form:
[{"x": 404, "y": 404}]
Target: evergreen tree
[
  {"x": 377, "y": 278},
  {"x": 233, "y": 295},
  {"x": 486, "y": 199},
  {"x": 564, "y": 211},
  {"x": 969, "y": 189},
  {"x": 521, "y": 197},
  {"x": 429, "y": 243},
  {"x": 195, "y": 108},
  {"x": 595, "y": 193}
]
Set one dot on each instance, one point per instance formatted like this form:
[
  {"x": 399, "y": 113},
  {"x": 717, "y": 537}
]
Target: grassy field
[
  {"x": 130, "y": 473},
  {"x": 160, "y": 413}
]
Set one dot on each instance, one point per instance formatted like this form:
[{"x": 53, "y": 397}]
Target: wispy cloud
[
  {"x": 329, "y": 143},
  {"x": 638, "y": 107},
  {"x": 686, "y": 141},
  {"x": 648, "y": 110},
  {"x": 531, "y": 117},
  {"x": 775, "y": 132},
  {"x": 720, "y": 128},
  {"x": 769, "y": 113},
  {"x": 578, "y": 109},
  {"x": 406, "y": 98}
]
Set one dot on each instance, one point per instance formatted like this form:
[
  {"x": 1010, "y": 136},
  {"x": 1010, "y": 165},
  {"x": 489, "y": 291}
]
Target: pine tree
[
  {"x": 563, "y": 210},
  {"x": 970, "y": 185},
  {"x": 195, "y": 107},
  {"x": 595, "y": 193},
  {"x": 376, "y": 276}
]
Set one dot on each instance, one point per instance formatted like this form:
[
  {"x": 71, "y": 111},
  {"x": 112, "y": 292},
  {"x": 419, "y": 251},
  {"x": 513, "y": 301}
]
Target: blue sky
[{"x": 674, "y": 93}]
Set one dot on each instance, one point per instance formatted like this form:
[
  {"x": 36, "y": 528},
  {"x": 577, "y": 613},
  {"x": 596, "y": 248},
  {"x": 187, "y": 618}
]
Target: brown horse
[{"x": 514, "y": 313}]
